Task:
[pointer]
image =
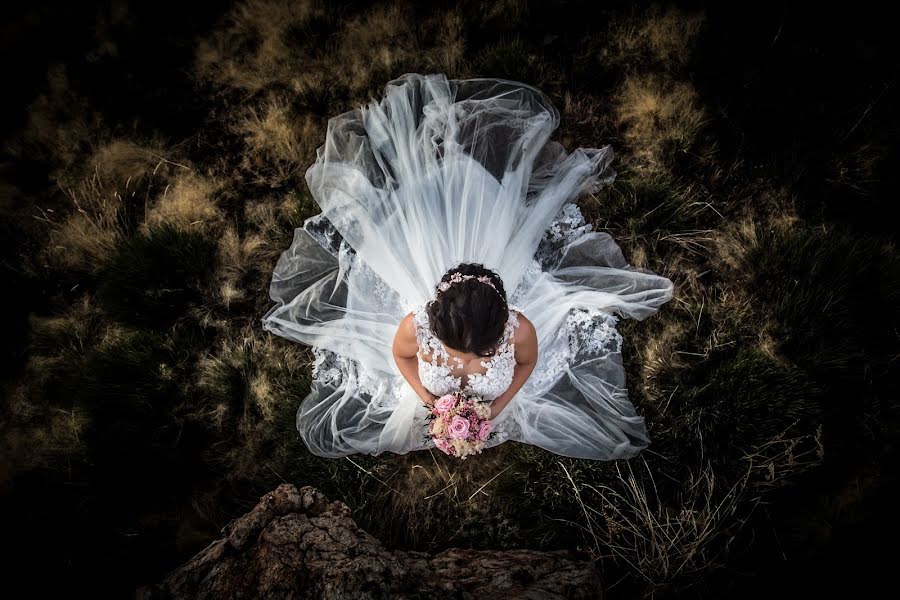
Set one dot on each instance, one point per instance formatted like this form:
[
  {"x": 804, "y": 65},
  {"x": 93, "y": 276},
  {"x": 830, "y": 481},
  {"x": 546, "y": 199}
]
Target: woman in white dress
[{"x": 450, "y": 254}]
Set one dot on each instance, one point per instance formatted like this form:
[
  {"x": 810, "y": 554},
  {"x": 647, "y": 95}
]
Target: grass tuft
[
  {"x": 659, "y": 118},
  {"x": 155, "y": 277},
  {"x": 723, "y": 407},
  {"x": 831, "y": 295}
]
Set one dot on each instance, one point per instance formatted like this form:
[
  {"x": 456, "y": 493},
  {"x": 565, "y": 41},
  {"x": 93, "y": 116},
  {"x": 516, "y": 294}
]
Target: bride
[{"x": 449, "y": 254}]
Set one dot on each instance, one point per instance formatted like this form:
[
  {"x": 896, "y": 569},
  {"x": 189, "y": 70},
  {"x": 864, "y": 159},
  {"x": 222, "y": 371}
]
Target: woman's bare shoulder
[
  {"x": 407, "y": 326},
  {"x": 524, "y": 332},
  {"x": 405, "y": 342},
  {"x": 525, "y": 340}
]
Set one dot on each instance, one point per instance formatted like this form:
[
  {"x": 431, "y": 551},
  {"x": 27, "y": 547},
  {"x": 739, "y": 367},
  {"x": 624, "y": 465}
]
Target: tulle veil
[{"x": 438, "y": 172}]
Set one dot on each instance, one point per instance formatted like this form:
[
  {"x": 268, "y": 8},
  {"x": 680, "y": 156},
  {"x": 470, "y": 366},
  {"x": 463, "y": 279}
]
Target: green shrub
[
  {"x": 724, "y": 408},
  {"x": 155, "y": 277}
]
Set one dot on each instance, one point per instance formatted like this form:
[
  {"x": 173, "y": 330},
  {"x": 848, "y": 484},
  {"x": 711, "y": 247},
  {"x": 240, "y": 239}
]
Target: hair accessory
[{"x": 456, "y": 277}]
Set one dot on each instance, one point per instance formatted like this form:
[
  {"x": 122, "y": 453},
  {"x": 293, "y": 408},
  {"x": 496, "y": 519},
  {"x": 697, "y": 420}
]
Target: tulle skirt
[{"x": 435, "y": 173}]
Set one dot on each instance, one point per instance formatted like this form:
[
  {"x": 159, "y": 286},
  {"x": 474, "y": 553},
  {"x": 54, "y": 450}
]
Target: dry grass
[
  {"x": 734, "y": 314},
  {"x": 269, "y": 216},
  {"x": 33, "y": 435},
  {"x": 250, "y": 51},
  {"x": 664, "y": 541},
  {"x": 86, "y": 238},
  {"x": 62, "y": 340},
  {"x": 732, "y": 242},
  {"x": 119, "y": 162},
  {"x": 422, "y": 498},
  {"x": 274, "y": 219},
  {"x": 779, "y": 460},
  {"x": 856, "y": 170},
  {"x": 734, "y": 310},
  {"x": 106, "y": 204},
  {"x": 243, "y": 387},
  {"x": 449, "y": 53},
  {"x": 657, "y": 115},
  {"x": 767, "y": 342},
  {"x": 280, "y": 143},
  {"x": 373, "y": 45},
  {"x": 763, "y": 209},
  {"x": 34, "y": 432},
  {"x": 583, "y": 117},
  {"x": 291, "y": 66},
  {"x": 70, "y": 331},
  {"x": 188, "y": 203},
  {"x": 659, "y": 354},
  {"x": 61, "y": 126},
  {"x": 508, "y": 10},
  {"x": 664, "y": 36},
  {"x": 237, "y": 257},
  {"x": 257, "y": 48},
  {"x": 628, "y": 522}
]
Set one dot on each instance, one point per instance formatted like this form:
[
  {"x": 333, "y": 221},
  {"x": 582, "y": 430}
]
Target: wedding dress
[{"x": 436, "y": 173}]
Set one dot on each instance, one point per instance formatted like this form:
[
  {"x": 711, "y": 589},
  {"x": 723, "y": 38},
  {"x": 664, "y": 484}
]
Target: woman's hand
[
  {"x": 499, "y": 403},
  {"x": 495, "y": 410},
  {"x": 429, "y": 400}
]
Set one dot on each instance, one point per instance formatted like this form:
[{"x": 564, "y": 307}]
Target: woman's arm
[
  {"x": 404, "y": 350},
  {"x": 526, "y": 352}
]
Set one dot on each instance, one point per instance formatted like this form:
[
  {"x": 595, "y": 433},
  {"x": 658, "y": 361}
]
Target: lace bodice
[{"x": 440, "y": 378}]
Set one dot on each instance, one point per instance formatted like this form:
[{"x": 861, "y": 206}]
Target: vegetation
[{"x": 148, "y": 194}]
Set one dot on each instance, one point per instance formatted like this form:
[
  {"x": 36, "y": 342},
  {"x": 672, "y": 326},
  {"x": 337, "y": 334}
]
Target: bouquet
[{"x": 459, "y": 424}]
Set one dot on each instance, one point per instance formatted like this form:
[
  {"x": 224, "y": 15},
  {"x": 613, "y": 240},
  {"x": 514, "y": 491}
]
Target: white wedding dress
[{"x": 436, "y": 173}]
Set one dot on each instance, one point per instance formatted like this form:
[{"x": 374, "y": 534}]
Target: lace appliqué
[
  {"x": 588, "y": 334},
  {"x": 327, "y": 367},
  {"x": 529, "y": 277},
  {"x": 439, "y": 379},
  {"x": 364, "y": 282},
  {"x": 371, "y": 292},
  {"x": 335, "y": 370},
  {"x": 592, "y": 332},
  {"x": 566, "y": 227},
  {"x": 323, "y": 231}
]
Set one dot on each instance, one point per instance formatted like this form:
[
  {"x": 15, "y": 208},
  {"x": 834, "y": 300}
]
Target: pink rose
[
  {"x": 443, "y": 445},
  {"x": 485, "y": 430},
  {"x": 445, "y": 403},
  {"x": 459, "y": 427}
]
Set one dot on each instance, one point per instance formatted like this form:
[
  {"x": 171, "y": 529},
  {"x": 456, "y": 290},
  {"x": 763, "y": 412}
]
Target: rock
[{"x": 298, "y": 544}]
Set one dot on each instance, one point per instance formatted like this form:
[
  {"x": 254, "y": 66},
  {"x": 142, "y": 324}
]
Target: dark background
[{"x": 788, "y": 87}]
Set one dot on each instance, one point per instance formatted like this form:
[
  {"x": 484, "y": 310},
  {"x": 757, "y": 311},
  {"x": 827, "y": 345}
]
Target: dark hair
[{"x": 470, "y": 316}]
